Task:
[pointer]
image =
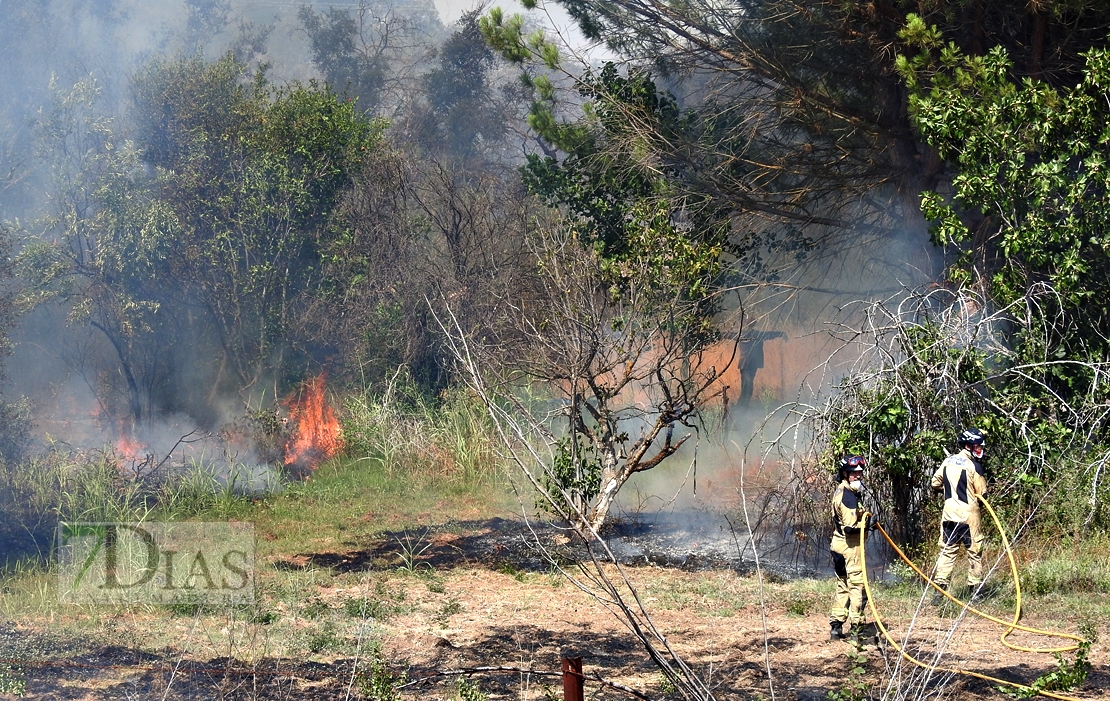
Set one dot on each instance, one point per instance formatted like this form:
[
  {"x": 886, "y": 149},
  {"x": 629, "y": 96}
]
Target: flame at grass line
[
  {"x": 130, "y": 448},
  {"x": 316, "y": 433}
]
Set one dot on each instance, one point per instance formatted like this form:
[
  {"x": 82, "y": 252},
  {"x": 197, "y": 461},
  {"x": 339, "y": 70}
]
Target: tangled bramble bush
[{"x": 923, "y": 368}]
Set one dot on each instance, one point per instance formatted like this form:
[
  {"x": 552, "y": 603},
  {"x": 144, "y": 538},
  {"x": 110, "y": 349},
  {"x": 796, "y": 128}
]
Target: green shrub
[
  {"x": 470, "y": 691},
  {"x": 323, "y": 639},
  {"x": 1067, "y": 676},
  {"x": 800, "y": 605}
]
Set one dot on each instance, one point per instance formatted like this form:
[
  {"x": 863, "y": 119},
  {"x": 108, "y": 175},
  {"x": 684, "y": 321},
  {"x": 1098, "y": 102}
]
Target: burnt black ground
[{"x": 689, "y": 542}]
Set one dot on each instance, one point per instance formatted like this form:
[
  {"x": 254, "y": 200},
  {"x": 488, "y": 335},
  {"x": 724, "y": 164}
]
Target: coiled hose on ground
[{"x": 1011, "y": 626}]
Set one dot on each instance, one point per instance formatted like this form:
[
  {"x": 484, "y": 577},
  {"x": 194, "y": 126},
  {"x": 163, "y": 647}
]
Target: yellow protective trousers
[
  {"x": 849, "y": 599},
  {"x": 952, "y": 536}
]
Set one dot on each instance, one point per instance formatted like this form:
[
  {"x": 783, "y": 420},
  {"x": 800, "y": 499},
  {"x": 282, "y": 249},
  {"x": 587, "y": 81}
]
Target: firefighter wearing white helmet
[
  {"x": 962, "y": 479},
  {"x": 848, "y": 536}
]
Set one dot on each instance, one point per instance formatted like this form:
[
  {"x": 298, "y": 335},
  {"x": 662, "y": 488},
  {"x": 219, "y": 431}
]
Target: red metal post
[{"x": 573, "y": 689}]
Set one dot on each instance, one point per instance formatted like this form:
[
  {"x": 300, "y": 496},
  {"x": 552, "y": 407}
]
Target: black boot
[
  {"x": 977, "y": 592},
  {"x": 836, "y": 630},
  {"x": 938, "y": 597}
]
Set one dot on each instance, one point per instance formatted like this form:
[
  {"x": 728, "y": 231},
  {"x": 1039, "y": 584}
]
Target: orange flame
[
  {"x": 316, "y": 430},
  {"x": 130, "y": 448}
]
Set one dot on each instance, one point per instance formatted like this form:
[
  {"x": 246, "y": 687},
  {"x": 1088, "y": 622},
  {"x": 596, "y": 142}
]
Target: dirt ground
[
  {"x": 465, "y": 600},
  {"x": 714, "y": 619},
  {"x": 530, "y": 628}
]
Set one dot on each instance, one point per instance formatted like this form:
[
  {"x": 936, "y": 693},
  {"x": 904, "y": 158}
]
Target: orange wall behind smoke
[{"x": 786, "y": 363}]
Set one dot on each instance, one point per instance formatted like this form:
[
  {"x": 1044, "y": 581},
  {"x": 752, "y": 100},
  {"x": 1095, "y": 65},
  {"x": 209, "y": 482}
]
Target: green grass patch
[
  {"x": 1082, "y": 569},
  {"x": 371, "y": 607},
  {"x": 448, "y": 438},
  {"x": 709, "y": 593},
  {"x": 348, "y": 500}
]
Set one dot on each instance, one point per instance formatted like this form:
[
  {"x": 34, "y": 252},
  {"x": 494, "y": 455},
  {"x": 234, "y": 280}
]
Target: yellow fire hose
[{"x": 1011, "y": 626}]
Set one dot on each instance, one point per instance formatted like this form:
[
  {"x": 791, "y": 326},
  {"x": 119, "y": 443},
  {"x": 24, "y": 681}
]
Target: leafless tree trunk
[
  {"x": 627, "y": 368},
  {"x": 530, "y": 446}
]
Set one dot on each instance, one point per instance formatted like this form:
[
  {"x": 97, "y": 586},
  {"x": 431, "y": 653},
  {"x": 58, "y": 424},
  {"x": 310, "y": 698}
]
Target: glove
[{"x": 872, "y": 525}]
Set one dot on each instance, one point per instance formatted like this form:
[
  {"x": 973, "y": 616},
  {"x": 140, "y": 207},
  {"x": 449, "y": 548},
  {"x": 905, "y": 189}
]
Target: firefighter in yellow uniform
[
  {"x": 962, "y": 479},
  {"x": 848, "y": 537}
]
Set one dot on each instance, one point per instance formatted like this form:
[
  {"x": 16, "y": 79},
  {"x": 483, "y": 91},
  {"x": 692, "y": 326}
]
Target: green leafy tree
[
  {"x": 625, "y": 345},
  {"x": 636, "y": 274},
  {"x": 15, "y": 424},
  {"x": 1027, "y": 215},
  {"x": 422, "y": 227},
  {"x": 461, "y": 115},
  {"x": 25, "y": 35},
  {"x": 254, "y": 175},
  {"x": 1031, "y": 174},
  {"x": 106, "y": 240},
  {"x": 601, "y": 177},
  {"x": 373, "y": 51},
  {"x": 205, "y": 18},
  {"x": 202, "y": 241},
  {"x": 799, "y": 117}
]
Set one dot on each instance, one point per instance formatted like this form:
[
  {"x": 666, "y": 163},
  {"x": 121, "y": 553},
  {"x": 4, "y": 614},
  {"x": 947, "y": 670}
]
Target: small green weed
[
  {"x": 575, "y": 470},
  {"x": 323, "y": 639},
  {"x": 263, "y": 617},
  {"x": 366, "y": 607},
  {"x": 188, "y": 607},
  {"x": 314, "y": 608},
  {"x": 799, "y": 605},
  {"x": 382, "y": 604},
  {"x": 411, "y": 551},
  {"x": 1067, "y": 675},
  {"x": 450, "y": 608},
  {"x": 511, "y": 570},
  {"x": 854, "y": 687},
  {"x": 469, "y": 691},
  {"x": 12, "y": 680},
  {"x": 555, "y": 577},
  {"x": 906, "y": 582},
  {"x": 666, "y": 685},
  {"x": 377, "y": 683}
]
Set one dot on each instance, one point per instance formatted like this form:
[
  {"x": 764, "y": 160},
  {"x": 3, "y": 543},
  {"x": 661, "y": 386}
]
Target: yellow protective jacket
[
  {"x": 847, "y": 510},
  {"x": 962, "y": 480}
]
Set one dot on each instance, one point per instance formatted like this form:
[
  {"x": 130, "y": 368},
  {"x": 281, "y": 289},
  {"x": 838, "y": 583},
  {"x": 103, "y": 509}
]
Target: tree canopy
[
  {"x": 614, "y": 238},
  {"x": 797, "y": 113},
  {"x": 209, "y": 229},
  {"x": 1016, "y": 344}
]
